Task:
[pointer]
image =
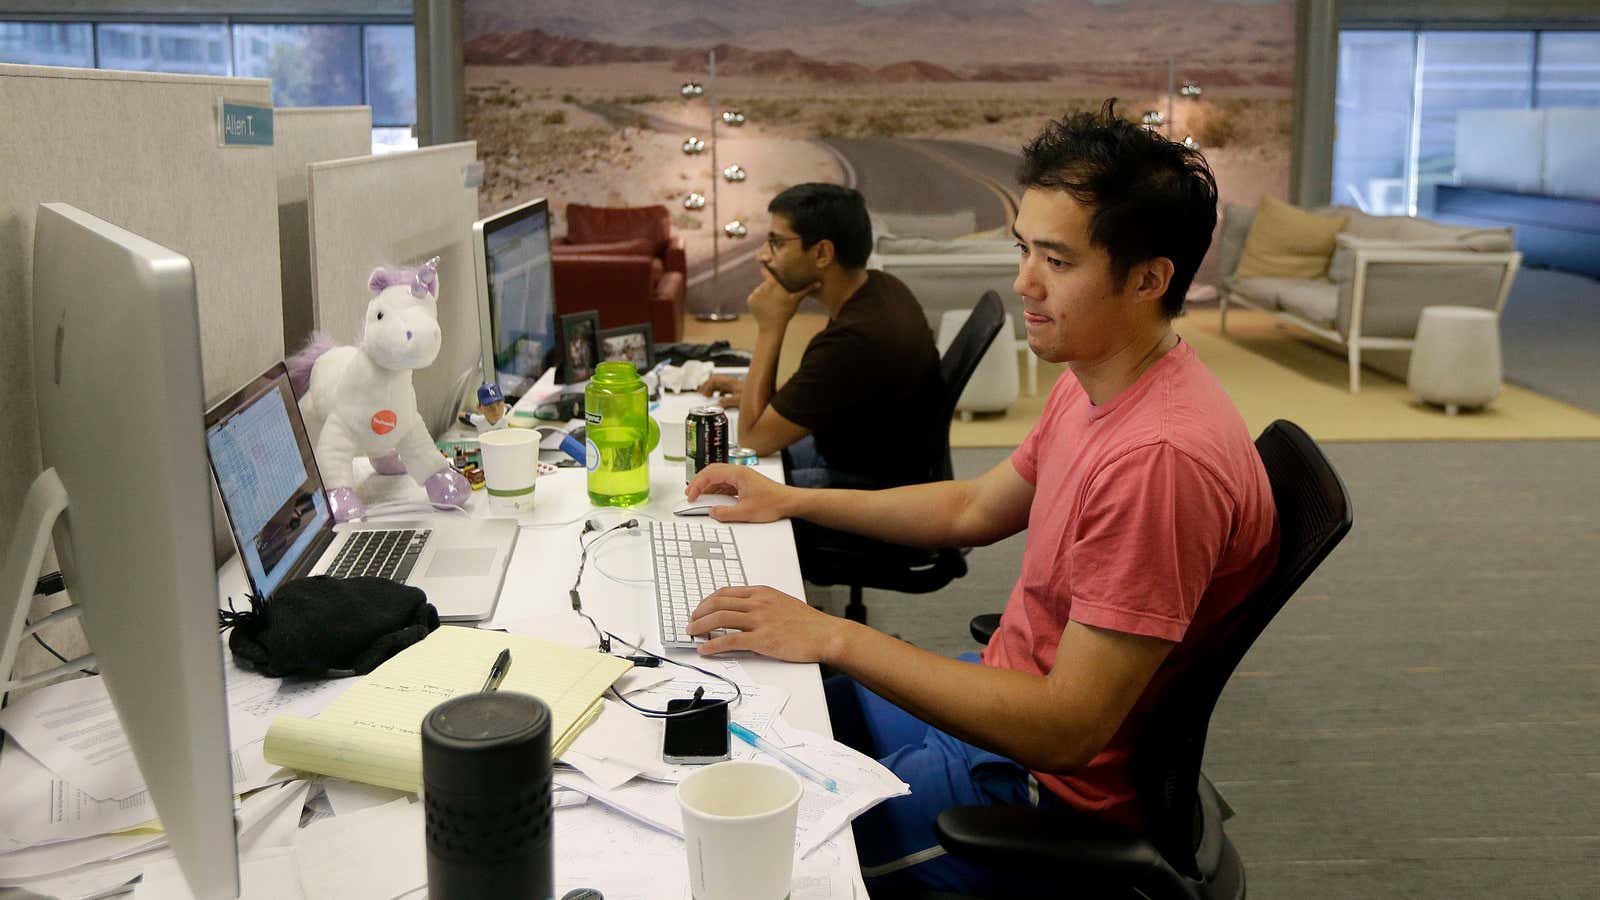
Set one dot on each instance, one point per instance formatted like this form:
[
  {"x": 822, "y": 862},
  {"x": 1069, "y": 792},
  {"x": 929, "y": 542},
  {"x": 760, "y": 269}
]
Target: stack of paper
[
  {"x": 75, "y": 817},
  {"x": 371, "y": 733}
]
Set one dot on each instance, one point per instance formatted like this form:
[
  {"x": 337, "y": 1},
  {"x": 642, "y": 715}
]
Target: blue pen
[{"x": 783, "y": 756}]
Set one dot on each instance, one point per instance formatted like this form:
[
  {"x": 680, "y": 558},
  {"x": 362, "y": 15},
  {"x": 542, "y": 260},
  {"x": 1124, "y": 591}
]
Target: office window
[
  {"x": 1463, "y": 70},
  {"x": 310, "y": 65},
  {"x": 1373, "y": 121},
  {"x": 1569, "y": 68},
  {"x": 183, "y": 48},
  {"x": 47, "y": 43},
  {"x": 391, "y": 74}
]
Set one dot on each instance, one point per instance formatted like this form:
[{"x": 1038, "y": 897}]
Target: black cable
[
  {"x": 52, "y": 651},
  {"x": 54, "y": 583},
  {"x": 605, "y": 638},
  {"x": 738, "y": 693}
]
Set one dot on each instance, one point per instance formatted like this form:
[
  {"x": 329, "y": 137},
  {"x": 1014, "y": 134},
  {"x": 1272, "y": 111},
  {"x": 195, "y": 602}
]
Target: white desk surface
[{"x": 546, "y": 560}]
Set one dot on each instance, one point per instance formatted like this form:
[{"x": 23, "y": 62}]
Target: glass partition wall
[{"x": 1399, "y": 92}]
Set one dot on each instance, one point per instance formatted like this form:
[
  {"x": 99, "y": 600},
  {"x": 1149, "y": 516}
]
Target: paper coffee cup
[
  {"x": 673, "y": 439},
  {"x": 738, "y": 830},
  {"x": 510, "y": 467}
]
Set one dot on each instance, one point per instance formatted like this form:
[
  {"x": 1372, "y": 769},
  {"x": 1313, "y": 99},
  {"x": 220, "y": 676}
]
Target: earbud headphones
[{"x": 604, "y": 637}]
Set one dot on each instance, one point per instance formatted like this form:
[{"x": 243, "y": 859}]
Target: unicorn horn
[{"x": 427, "y": 280}]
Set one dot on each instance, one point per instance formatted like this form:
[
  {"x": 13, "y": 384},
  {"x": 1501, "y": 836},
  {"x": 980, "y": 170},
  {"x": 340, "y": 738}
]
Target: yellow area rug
[{"x": 1272, "y": 372}]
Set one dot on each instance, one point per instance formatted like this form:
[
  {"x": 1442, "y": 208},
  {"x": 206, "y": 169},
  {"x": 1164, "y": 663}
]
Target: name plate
[{"x": 244, "y": 124}]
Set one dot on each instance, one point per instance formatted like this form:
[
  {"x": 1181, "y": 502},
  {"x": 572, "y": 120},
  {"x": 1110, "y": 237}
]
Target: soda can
[
  {"x": 743, "y": 456},
  {"x": 705, "y": 434}
]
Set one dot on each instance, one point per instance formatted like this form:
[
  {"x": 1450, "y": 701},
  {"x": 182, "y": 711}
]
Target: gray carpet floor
[{"x": 1423, "y": 719}]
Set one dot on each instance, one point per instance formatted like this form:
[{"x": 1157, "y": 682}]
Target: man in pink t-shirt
[{"x": 1148, "y": 513}]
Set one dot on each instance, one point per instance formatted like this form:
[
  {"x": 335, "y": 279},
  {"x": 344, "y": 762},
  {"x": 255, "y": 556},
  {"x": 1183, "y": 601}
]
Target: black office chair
[
  {"x": 1186, "y": 855},
  {"x": 829, "y": 557}
]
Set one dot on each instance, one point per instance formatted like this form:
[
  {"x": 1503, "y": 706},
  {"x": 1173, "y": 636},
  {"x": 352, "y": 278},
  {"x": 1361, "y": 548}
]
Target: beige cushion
[
  {"x": 1263, "y": 291},
  {"x": 1316, "y": 301},
  {"x": 930, "y": 246},
  {"x": 942, "y": 226},
  {"x": 1285, "y": 242}
]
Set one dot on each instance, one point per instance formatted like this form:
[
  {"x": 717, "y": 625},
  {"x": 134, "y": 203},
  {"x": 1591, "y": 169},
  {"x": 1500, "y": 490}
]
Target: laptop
[{"x": 283, "y": 526}]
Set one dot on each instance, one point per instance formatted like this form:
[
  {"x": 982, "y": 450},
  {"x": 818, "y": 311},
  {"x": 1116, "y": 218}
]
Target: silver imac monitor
[
  {"x": 117, "y": 377},
  {"x": 516, "y": 296}
]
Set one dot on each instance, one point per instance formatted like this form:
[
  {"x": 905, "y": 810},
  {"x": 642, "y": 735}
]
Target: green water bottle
[{"x": 621, "y": 436}]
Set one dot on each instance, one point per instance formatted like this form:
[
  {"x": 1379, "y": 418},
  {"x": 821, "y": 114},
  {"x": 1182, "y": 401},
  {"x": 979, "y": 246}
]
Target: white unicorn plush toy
[{"x": 358, "y": 401}]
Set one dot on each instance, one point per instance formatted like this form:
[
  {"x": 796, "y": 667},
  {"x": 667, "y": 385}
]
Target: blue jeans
[
  {"x": 895, "y": 839},
  {"x": 803, "y": 466}
]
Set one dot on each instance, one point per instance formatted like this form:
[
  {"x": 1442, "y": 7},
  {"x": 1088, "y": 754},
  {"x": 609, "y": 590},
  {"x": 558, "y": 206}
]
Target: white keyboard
[{"x": 690, "y": 561}]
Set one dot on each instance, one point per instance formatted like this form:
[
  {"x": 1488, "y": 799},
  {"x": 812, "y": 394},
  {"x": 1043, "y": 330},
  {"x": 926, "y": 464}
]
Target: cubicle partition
[
  {"x": 399, "y": 209},
  {"x": 301, "y": 136},
  {"x": 144, "y": 152}
]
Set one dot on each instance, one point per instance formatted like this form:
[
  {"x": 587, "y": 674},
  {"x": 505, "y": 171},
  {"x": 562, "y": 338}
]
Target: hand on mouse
[
  {"x": 760, "y": 498},
  {"x": 770, "y": 623}
]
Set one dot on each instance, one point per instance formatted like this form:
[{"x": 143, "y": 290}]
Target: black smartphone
[{"x": 701, "y": 737}]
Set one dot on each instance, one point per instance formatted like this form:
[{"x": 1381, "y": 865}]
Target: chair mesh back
[
  {"x": 1314, "y": 515},
  {"x": 962, "y": 358}
]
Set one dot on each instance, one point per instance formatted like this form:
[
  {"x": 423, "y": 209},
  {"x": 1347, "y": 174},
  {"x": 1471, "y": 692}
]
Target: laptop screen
[{"x": 268, "y": 481}]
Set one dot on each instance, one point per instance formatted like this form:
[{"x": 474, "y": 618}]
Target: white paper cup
[
  {"x": 673, "y": 438},
  {"x": 738, "y": 829},
  {"x": 510, "y": 467}
]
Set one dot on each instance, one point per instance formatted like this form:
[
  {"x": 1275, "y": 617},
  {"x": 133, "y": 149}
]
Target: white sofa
[{"x": 1384, "y": 271}]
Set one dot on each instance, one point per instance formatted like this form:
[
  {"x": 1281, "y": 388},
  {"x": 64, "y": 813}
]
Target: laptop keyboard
[
  {"x": 690, "y": 560},
  {"x": 380, "y": 554}
]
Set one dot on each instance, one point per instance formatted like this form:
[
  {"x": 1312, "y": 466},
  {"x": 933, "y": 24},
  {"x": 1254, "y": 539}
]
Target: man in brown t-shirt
[{"x": 862, "y": 410}]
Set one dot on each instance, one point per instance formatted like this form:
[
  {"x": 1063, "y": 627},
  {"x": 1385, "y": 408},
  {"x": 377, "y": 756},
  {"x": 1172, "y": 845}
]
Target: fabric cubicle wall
[
  {"x": 398, "y": 209},
  {"x": 140, "y": 151},
  {"x": 302, "y": 136}
]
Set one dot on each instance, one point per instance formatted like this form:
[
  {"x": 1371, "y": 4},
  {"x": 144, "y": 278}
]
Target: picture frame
[
  {"x": 579, "y": 336},
  {"x": 633, "y": 343}
]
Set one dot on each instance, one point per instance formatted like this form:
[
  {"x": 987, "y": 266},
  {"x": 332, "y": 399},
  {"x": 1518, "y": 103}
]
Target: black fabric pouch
[{"x": 322, "y": 627}]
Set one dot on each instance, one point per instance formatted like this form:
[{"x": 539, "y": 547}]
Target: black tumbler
[{"x": 486, "y": 791}]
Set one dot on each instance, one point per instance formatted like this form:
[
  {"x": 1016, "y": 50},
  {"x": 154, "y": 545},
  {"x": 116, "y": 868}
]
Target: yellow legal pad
[{"x": 372, "y": 732}]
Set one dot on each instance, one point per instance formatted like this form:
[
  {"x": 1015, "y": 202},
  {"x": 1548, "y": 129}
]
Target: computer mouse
[{"x": 704, "y": 504}]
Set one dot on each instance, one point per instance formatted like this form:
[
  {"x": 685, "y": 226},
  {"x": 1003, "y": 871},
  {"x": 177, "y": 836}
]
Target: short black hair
[
  {"x": 1151, "y": 197},
  {"x": 827, "y": 211}
]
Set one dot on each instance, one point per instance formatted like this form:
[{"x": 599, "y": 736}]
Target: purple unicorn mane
[{"x": 300, "y": 364}]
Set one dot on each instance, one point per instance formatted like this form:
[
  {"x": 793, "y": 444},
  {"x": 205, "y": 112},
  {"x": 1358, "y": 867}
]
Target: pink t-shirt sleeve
[{"x": 1153, "y": 526}]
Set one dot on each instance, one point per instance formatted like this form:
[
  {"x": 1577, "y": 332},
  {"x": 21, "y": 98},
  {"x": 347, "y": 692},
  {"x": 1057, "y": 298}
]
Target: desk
[{"x": 546, "y": 560}]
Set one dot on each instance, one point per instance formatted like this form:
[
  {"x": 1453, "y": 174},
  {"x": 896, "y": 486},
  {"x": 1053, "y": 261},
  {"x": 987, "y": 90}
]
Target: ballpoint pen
[
  {"x": 497, "y": 672},
  {"x": 783, "y": 756}
]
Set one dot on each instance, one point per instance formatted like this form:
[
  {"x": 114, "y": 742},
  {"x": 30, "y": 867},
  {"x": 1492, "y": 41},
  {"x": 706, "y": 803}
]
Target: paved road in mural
[{"x": 897, "y": 175}]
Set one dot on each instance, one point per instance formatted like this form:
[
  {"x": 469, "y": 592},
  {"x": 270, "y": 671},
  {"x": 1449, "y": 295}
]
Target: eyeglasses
[{"x": 775, "y": 242}]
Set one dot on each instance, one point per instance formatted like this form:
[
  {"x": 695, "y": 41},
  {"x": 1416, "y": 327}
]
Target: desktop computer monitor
[
  {"x": 516, "y": 297},
  {"x": 121, "y": 406}
]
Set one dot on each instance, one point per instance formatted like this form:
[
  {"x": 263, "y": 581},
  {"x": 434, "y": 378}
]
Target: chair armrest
[
  {"x": 1390, "y": 286},
  {"x": 677, "y": 257},
  {"x": 983, "y": 627},
  {"x": 1014, "y": 837}
]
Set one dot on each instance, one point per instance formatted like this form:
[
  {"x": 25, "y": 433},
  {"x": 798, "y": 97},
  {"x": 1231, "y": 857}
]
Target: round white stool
[
  {"x": 993, "y": 386},
  {"x": 1455, "y": 361}
]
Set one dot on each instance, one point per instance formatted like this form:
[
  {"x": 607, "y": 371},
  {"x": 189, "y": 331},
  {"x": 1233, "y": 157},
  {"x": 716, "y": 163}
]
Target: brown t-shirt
[{"x": 869, "y": 387}]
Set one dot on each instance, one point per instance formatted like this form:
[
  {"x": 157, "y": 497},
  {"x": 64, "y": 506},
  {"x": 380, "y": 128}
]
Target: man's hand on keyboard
[
  {"x": 768, "y": 622},
  {"x": 760, "y": 498}
]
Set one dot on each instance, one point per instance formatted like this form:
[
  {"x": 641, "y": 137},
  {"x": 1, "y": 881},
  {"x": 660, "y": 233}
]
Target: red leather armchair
[{"x": 624, "y": 263}]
